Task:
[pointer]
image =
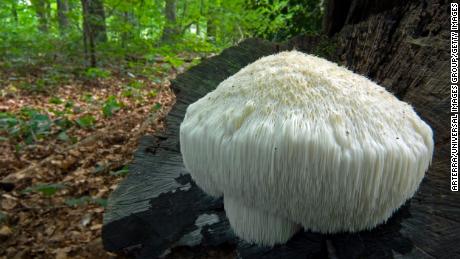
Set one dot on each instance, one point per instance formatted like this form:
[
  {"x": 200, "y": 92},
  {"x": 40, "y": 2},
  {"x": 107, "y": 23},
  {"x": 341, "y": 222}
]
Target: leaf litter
[{"x": 62, "y": 154}]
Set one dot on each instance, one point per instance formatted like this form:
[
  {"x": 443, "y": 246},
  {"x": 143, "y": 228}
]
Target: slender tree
[
  {"x": 88, "y": 34},
  {"x": 14, "y": 11},
  {"x": 42, "y": 9},
  {"x": 198, "y": 27},
  {"x": 62, "y": 10},
  {"x": 131, "y": 27},
  {"x": 170, "y": 28},
  {"x": 94, "y": 28},
  {"x": 211, "y": 15},
  {"x": 97, "y": 20}
]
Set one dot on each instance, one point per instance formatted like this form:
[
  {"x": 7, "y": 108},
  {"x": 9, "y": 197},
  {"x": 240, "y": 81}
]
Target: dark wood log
[{"x": 158, "y": 210}]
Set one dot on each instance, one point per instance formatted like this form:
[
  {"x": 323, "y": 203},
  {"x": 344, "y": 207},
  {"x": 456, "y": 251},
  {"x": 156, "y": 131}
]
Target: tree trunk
[
  {"x": 97, "y": 20},
  {"x": 170, "y": 30},
  {"x": 41, "y": 8},
  {"x": 130, "y": 18},
  {"x": 14, "y": 11},
  {"x": 211, "y": 30},
  {"x": 88, "y": 33},
  {"x": 198, "y": 27},
  {"x": 62, "y": 10}
]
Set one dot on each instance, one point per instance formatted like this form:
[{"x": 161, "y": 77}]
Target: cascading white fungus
[{"x": 293, "y": 140}]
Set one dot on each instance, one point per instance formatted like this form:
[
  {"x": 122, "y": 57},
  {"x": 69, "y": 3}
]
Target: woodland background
[{"x": 81, "y": 81}]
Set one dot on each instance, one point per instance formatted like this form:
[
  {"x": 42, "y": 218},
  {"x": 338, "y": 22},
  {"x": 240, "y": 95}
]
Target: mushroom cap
[{"x": 301, "y": 138}]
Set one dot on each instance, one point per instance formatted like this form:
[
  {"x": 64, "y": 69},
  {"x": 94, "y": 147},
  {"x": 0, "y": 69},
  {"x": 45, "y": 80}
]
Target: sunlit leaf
[{"x": 86, "y": 121}]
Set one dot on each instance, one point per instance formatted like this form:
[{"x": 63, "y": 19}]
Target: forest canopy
[{"x": 89, "y": 33}]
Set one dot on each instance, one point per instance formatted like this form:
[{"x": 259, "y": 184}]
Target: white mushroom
[{"x": 293, "y": 140}]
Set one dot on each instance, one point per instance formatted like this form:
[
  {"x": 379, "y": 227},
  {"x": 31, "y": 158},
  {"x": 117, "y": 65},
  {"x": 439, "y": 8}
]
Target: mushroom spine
[{"x": 294, "y": 141}]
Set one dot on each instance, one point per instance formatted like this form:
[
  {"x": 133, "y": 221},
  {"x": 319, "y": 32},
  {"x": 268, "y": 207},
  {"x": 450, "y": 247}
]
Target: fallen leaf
[
  {"x": 8, "y": 202},
  {"x": 96, "y": 227},
  {"x": 86, "y": 219},
  {"x": 5, "y": 231}
]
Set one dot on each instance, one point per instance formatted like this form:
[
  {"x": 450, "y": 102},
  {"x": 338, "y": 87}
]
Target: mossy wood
[{"x": 158, "y": 210}]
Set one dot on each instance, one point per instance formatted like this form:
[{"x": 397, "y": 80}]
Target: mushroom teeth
[{"x": 293, "y": 140}]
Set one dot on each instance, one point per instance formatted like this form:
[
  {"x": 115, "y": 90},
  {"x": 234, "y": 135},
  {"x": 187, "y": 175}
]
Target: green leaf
[
  {"x": 100, "y": 201},
  {"x": 74, "y": 202},
  {"x": 45, "y": 189},
  {"x": 156, "y": 107},
  {"x": 57, "y": 112},
  {"x": 63, "y": 123},
  {"x": 84, "y": 200},
  {"x": 2, "y": 216},
  {"x": 8, "y": 120},
  {"x": 122, "y": 172},
  {"x": 87, "y": 97},
  {"x": 127, "y": 93},
  {"x": 153, "y": 93},
  {"x": 174, "y": 61},
  {"x": 110, "y": 106},
  {"x": 156, "y": 80},
  {"x": 99, "y": 168},
  {"x": 86, "y": 121},
  {"x": 69, "y": 104},
  {"x": 55, "y": 100},
  {"x": 63, "y": 136},
  {"x": 136, "y": 84},
  {"x": 94, "y": 73}
]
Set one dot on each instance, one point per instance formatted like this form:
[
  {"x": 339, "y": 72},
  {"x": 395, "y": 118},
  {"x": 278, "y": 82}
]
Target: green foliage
[
  {"x": 45, "y": 189},
  {"x": 153, "y": 93},
  {"x": 3, "y": 217},
  {"x": 85, "y": 200},
  {"x": 86, "y": 121},
  {"x": 122, "y": 172},
  {"x": 175, "y": 62},
  {"x": 95, "y": 73},
  {"x": 110, "y": 106},
  {"x": 135, "y": 31},
  {"x": 283, "y": 19},
  {"x": 63, "y": 136},
  {"x": 136, "y": 84},
  {"x": 55, "y": 100},
  {"x": 156, "y": 107},
  {"x": 63, "y": 123},
  {"x": 29, "y": 125},
  {"x": 87, "y": 97}
]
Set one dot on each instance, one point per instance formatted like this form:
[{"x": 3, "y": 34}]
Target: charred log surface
[
  {"x": 405, "y": 47},
  {"x": 157, "y": 211}
]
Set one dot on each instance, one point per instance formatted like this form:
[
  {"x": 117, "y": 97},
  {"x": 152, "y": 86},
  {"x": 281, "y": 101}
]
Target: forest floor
[{"x": 63, "y": 151}]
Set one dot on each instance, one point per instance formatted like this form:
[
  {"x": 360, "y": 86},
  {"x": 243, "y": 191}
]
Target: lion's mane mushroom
[{"x": 293, "y": 140}]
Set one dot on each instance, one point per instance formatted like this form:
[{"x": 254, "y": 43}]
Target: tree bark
[
  {"x": 62, "y": 10},
  {"x": 335, "y": 15},
  {"x": 97, "y": 20},
  {"x": 88, "y": 34},
  {"x": 198, "y": 27},
  {"x": 170, "y": 29},
  {"x": 211, "y": 28},
  {"x": 41, "y": 8},
  {"x": 130, "y": 18}
]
